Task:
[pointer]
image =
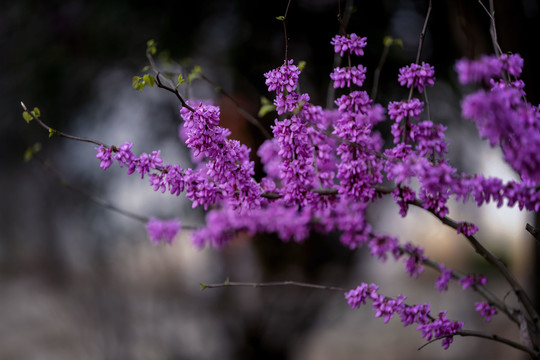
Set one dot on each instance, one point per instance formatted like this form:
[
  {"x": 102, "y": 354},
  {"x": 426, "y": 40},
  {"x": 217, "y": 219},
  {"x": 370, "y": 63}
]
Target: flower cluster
[
  {"x": 488, "y": 67},
  {"x": 162, "y": 231},
  {"x": 420, "y": 314},
  {"x": 352, "y": 44},
  {"x": 343, "y": 76},
  {"x": 486, "y": 310},
  {"x": 472, "y": 280},
  {"x": 417, "y": 76}
]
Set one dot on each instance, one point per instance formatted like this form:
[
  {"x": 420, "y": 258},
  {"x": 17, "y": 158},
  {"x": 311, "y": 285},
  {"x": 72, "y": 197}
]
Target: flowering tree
[{"x": 324, "y": 167}]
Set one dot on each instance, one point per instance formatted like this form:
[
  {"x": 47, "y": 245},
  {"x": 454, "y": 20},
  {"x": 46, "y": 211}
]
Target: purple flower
[
  {"x": 442, "y": 281},
  {"x": 472, "y": 280},
  {"x": 418, "y": 314},
  {"x": 486, "y": 310},
  {"x": 402, "y": 196},
  {"x": 466, "y": 228},
  {"x": 397, "y": 110},
  {"x": 161, "y": 231},
  {"x": 283, "y": 78},
  {"x": 439, "y": 328},
  {"x": 381, "y": 245},
  {"x": 417, "y": 76},
  {"x": 413, "y": 263},
  {"x": 356, "y": 102},
  {"x": 147, "y": 162},
  {"x": 343, "y": 76},
  {"x": 475, "y": 71},
  {"x": 350, "y": 43},
  {"x": 358, "y": 296},
  {"x": 105, "y": 155},
  {"x": 488, "y": 67},
  {"x": 429, "y": 138},
  {"x": 124, "y": 154}
]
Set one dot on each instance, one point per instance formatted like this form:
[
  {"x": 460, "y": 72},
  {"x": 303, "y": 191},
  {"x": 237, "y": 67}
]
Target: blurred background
[{"x": 78, "y": 281}]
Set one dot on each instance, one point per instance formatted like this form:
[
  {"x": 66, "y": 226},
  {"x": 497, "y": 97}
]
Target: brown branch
[
  {"x": 228, "y": 283},
  {"x": 492, "y": 337},
  {"x": 533, "y": 231},
  {"x": 493, "y": 260}
]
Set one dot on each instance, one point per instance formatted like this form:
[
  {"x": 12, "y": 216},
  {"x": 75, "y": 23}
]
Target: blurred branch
[
  {"x": 493, "y": 337},
  {"x": 228, "y": 283},
  {"x": 493, "y": 260},
  {"x": 533, "y": 231}
]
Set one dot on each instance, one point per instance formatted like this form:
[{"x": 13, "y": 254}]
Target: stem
[
  {"x": 377, "y": 73},
  {"x": 343, "y": 22},
  {"x": 285, "y": 31},
  {"x": 423, "y": 33}
]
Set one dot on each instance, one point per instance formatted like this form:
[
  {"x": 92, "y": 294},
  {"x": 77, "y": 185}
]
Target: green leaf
[
  {"x": 31, "y": 151},
  {"x": 146, "y": 68},
  {"x": 151, "y": 47},
  {"x": 149, "y": 80},
  {"x": 52, "y": 132},
  {"x": 135, "y": 81},
  {"x": 280, "y": 18},
  {"x": 27, "y": 117},
  {"x": 266, "y": 107},
  {"x": 301, "y": 65},
  {"x": 388, "y": 41},
  {"x": 180, "y": 80},
  {"x": 203, "y": 286},
  {"x": 36, "y": 112},
  {"x": 194, "y": 74}
]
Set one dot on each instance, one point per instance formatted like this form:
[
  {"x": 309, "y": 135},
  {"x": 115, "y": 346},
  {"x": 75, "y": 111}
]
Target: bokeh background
[{"x": 78, "y": 281}]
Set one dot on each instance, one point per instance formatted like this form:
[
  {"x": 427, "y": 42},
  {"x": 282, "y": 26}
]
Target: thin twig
[
  {"x": 378, "y": 69},
  {"x": 285, "y": 31},
  {"x": 59, "y": 133},
  {"x": 421, "y": 43},
  {"x": 492, "y": 27},
  {"x": 343, "y": 23},
  {"x": 171, "y": 88},
  {"x": 423, "y": 34}
]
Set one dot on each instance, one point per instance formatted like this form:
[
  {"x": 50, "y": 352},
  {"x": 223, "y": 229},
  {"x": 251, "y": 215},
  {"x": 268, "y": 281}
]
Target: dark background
[{"x": 63, "y": 262}]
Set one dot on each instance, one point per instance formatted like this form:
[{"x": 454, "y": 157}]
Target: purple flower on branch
[
  {"x": 417, "y": 76},
  {"x": 486, "y": 310},
  {"x": 105, "y": 155},
  {"x": 343, "y": 76},
  {"x": 350, "y": 43},
  {"x": 283, "y": 78},
  {"x": 442, "y": 281}
]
